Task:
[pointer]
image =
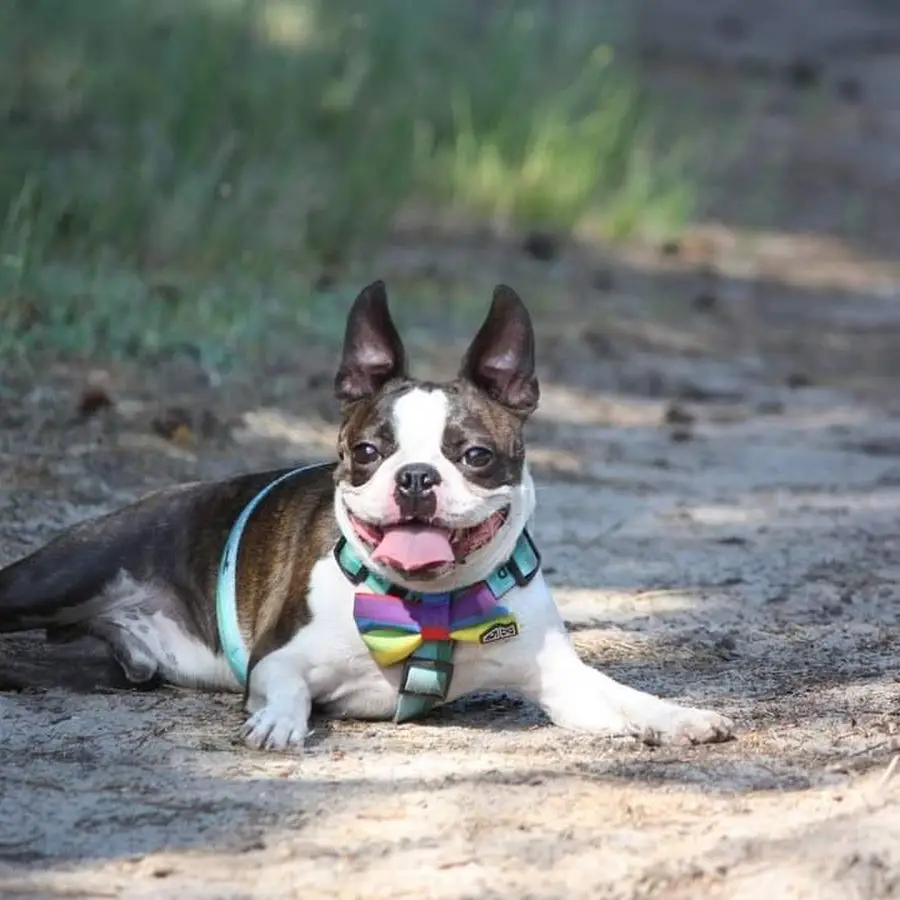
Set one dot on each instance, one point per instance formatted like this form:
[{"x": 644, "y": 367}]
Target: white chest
[{"x": 331, "y": 656}]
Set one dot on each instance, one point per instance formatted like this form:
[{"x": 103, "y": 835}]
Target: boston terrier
[{"x": 397, "y": 578}]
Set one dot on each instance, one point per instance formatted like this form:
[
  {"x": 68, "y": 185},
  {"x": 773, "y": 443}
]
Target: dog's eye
[
  {"x": 478, "y": 457},
  {"x": 364, "y": 454}
]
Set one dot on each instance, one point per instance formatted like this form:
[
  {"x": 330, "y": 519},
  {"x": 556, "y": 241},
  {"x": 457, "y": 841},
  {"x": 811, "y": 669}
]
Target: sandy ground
[{"x": 718, "y": 455}]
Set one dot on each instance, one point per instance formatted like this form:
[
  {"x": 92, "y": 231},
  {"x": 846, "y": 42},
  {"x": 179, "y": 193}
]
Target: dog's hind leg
[
  {"x": 143, "y": 625},
  {"x": 126, "y": 579},
  {"x": 129, "y": 652}
]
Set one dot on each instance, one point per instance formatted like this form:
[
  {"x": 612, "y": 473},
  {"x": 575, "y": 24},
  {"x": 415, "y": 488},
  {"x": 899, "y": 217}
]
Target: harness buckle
[
  {"x": 357, "y": 577},
  {"x": 426, "y": 677},
  {"x": 522, "y": 579}
]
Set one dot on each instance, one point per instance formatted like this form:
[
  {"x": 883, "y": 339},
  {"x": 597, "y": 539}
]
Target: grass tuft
[{"x": 241, "y": 142}]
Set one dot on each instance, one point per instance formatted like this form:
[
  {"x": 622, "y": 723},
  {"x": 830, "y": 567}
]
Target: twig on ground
[{"x": 888, "y": 773}]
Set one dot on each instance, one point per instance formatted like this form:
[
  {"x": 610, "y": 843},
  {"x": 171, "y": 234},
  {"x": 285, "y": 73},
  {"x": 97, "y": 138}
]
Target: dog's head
[{"x": 433, "y": 490}]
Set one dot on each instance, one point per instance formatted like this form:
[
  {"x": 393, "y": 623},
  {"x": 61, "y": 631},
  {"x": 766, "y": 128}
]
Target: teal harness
[
  {"x": 226, "y": 588},
  {"x": 419, "y": 630}
]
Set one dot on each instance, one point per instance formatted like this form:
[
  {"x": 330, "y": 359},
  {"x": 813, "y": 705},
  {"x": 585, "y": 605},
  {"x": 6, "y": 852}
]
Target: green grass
[{"x": 230, "y": 146}]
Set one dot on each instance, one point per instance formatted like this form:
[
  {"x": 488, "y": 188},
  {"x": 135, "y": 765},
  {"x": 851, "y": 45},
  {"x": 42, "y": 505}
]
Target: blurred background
[
  {"x": 218, "y": 177},
  {"x": 222, "y": 175}
]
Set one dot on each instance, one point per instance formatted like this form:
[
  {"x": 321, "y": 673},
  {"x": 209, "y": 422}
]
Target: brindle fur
[{"x": 174, "y": 539}]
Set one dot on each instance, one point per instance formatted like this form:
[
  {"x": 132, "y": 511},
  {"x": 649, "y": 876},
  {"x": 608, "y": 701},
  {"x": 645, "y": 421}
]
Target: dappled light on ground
[
  {"x": 733, "y": 550},
  {"x": 813, "y": 260},
  {"x": 304, "y": 844},
  {"x": 717, "y": 453}
]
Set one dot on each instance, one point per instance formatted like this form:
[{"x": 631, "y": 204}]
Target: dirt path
[
  {"x": 747, "y": 560},
  {"x": 719, "y": 466}
]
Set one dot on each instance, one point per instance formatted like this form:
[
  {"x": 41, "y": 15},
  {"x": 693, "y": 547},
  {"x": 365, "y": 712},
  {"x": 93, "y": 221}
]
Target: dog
[{"x": 382, "y": 584}]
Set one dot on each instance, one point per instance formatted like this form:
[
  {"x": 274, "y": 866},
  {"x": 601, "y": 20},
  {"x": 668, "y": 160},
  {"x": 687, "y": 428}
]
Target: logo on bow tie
[
  {"x": 500, "y": 632},
  {"x": 394, "y": 628}
]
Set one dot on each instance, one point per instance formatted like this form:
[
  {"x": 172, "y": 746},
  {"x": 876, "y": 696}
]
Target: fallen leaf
[
  {"x": 95, "y": 394},
  {"x": 176, "y": 425}
]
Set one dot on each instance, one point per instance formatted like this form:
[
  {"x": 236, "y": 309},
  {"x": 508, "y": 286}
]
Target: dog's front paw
[
  {"x": 271, "y": 728},
  {"x": 668, "y": 723}
]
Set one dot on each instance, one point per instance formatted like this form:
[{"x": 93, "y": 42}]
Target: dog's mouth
[{"x": 425, "y": 549}]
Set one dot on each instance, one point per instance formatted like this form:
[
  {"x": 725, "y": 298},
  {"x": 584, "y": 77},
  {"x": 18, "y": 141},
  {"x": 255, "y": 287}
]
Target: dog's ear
[
  {"x": 373, "y": 352},
  {"x": 500, "y": 359}
]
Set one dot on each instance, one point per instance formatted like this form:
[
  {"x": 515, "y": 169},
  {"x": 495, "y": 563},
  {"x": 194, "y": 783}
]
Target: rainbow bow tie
[{"x": 393, "y": 628}]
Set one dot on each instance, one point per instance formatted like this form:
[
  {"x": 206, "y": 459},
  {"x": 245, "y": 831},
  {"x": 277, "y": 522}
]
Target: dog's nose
[{"x": 417, "y": 479}]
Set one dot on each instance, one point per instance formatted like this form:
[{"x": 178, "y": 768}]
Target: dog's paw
[
  {"x": 669, "y": 723},
  {"x": 271, "y": 728}
]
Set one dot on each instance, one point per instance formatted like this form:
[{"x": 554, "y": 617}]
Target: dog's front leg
[
  {"x": 576, "y": 696},
  {"x": 279, "y": 701}
]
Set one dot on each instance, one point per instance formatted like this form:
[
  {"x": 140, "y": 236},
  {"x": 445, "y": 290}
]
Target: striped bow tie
[{"x": 394, "y": 628}]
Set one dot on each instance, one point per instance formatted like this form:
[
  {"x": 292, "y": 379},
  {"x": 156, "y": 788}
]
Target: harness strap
[
  {"x": 425, "y": 681},
  {"x": 230, "y": 637}
]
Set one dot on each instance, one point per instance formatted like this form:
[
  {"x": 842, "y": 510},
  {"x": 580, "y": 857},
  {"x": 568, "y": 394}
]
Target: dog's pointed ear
[
  {"x": 500, "y": 359},
  {"x": 373, "y": 352}
]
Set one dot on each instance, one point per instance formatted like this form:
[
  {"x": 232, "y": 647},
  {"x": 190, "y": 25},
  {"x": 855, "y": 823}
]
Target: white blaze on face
[{"x": 419, "y": 420}]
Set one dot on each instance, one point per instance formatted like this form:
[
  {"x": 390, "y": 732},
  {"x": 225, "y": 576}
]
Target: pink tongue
[{"x": 412, "y": 547}]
